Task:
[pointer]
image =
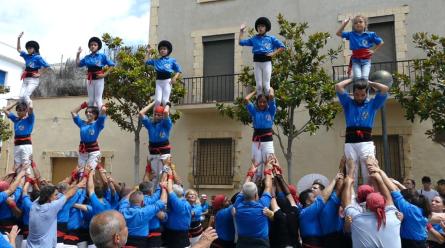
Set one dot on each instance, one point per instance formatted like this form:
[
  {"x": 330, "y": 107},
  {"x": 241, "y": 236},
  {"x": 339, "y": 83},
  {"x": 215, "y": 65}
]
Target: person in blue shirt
[
  {"x": 34, "y": 63},
  {"x": 96, "y": 64},
  {"x": 436, "y": 233},
  {"x": 7, "y": 191},
  {"x": 264, "y": 47},
  {"x": 23, "y": 126},
  {"x": 263, "y": 115},
  {"x": 224, "y": 225},
  {"x": 196, "y": 228},
  {"x": 361, "y": 42},
  {"x": 179, "y": 213},
  {"x": 167, "y": 72},
  {"x": 89, "y": 151},
  {"x": 251, "y": 224},
  {"x": 359, "y": 115},
  {"x": 12, "y": 235},
  {"x": 204, "y": 206},
  {"x": 158, "y": 127},
  {"x": 137, "y": 214},
  {"x": 312, "y": 207}
]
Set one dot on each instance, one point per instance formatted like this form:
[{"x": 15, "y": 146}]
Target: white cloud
[{"x": 61, "y": 26}]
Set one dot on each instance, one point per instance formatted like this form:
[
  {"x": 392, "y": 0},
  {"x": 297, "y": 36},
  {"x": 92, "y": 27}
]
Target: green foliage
[
  {"x": 5, "y": 130},
  {"x": 130, "y": 84},
  {"x": 299, "y": 81},
  {"x": 425, "y": 96}
]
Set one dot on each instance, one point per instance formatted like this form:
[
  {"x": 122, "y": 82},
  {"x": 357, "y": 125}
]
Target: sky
[{"x": 61, "y": 26}]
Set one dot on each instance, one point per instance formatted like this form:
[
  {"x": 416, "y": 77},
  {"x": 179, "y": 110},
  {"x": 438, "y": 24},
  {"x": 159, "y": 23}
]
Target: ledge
[{"x": 203, "y": 186}]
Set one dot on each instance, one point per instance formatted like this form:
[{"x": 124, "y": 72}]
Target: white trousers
[
  {"x": 260, "y": 152},
  {"x": 262, "y": 72},
  {"x": 28, "y": 86},
  {"x": 359, "y": 152},
  {"x": 22, "y": 155},
  {"x": 95, "y": 90},
  {"x": 88, "y": 158},
  {"x": 163, "y": 90},
  {"x": 157, "y": 164}
]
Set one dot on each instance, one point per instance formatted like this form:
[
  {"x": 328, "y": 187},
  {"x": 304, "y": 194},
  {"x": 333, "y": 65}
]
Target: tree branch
[
  {"x": 131, "y": 118},
  {"x": 280, "y": 140}
]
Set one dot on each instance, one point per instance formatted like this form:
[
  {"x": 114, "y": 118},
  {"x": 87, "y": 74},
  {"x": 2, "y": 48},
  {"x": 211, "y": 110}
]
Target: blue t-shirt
[
  {"x": 414, "y": 223},
  {"x": 64, "y": 214},
  {"x": 4, "y": 243},
  {"x": 249, "y": 218},
  {"x": 97, "y": 205},
  {"x": 113, "y": 199},
  {"x": 363, "y": 40},
  {"x": 34, "y": 61},
  {"x": 329, "y": 219},
  {"x": 5, "y": 210},
  {"x": 309, "y": 219},
  {"x": 76, "y": 215},
  {"x": 204, "y": 206},
  {"x": 262, "y": 119},
  {"x": 179, "y": 213},
  {"x": 136, "y": 216},
  {"x": 90, "y": 132},
  {"x": 196, "y": 212},
  {"x": 164, "y": 65},
  {"x": 158, "y": 132},
  {"x": 95, "y": 59},
  {"x": 22, "y": 127},
  {"x": 262, "y": 44},
  {"x": 26, "y": 208},
  {"x": 224, "y": 225},
  {"x": 361, "y": 115}
]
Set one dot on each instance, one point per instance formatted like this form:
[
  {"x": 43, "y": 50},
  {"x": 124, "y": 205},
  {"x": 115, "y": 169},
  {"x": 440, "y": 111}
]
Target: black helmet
[
  {"x": 34, "y": 45},
  {"x": 167, "y": 44},
  {"x": 97, "y": 40},
  {"x": 264, "y": 21}
]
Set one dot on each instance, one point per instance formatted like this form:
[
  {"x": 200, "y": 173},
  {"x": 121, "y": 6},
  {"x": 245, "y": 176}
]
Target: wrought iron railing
[
  {"x": 212, "y": 89},
  {"x": 405, "y": 67}
]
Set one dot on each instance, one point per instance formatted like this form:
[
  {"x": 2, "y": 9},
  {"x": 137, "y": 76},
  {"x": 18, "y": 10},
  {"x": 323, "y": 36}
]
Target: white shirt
[
  {"x": 364, "y": 228},
  {"x": 428, "y": 194}
]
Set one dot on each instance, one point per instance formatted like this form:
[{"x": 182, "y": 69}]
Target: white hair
[
  {"x": 250, "y": 190},
  {"x": 103, "y": 227},
  {"x": 179, "y": 191}
]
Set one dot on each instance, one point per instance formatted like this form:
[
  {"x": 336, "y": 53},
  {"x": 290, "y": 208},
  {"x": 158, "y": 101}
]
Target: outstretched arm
[
  {"x": 328, "y": 190},
  {"x": 241, "y": 31},
  {"x": 340, "y": 87},
  {"x": 16, "y": 183},
  {"x": 19, "y": 48},
  {"x": 342, "y": 27},
  {"x": 249, "y": 96},
  {"x": 78, "y": 56},
  {"x": 147, "y": 56}
]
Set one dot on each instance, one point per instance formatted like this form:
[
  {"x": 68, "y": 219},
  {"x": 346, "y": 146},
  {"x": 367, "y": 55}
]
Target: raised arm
[
  {"x": 78, "y": 56},
  {"x": 271, "y": 93},
  {"x": 342, "y": 27},
  {"x": 75, "y": 111},
  {"x": 19, "y": 48},
  {"x": 249, "y": 96},
  {"x": 241, "y": 31},
  {"x": 90, "y": 187},
  {"x": 144, "y": 111},
  {"x": 147, "y": 56},
  {"x": 340, "y": 87},
  {"x": 326, "y": 193},
  {"x": 8, "y": 108},
  {"x": 30, "y": 107},
  {"x": 379, "y": 87},
  {"x": 268, "y": 175},
  {"x": 251, "y": 172},
  {"x": 16, "y": 183},
  {"x": 382, "y": 187}
]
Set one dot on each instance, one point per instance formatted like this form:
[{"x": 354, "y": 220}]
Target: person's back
[
  {"x": 365, "y": 233},
  {"x": 249, "y": 218},
  {"x": 43, "y": 223}
]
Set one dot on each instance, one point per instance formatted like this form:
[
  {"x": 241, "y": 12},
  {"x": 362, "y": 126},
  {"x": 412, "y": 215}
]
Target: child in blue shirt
[
  {"x": 33, "y": 62},
  {"x": 264, "y": 47},
  {"x": 167, "y": 72},
  {"x": 361, "y": 42},
  {"x": 96, "y": 63},
  {"x": 89, "y": 151}
]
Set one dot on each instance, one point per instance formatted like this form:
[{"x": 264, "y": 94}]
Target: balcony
[
  {"x": 212, "y": 89},
  {"x": 405, "y": 67}
]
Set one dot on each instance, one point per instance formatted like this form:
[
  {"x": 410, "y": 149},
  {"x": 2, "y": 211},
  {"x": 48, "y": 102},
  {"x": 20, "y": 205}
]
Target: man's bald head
[{"x": 109, "y": 230}]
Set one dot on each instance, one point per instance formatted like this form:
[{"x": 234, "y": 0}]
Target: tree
[
  {"x": 5, "y": 130},
  {"x": 299, "y": 81},
  {"x": 128, "y": 88},
  {"x": 425, "y": 96}
]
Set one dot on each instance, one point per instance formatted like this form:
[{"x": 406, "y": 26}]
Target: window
[
  {"x": 385, "y": 57},
  {"x": 218, "y": 68},
  {"x": 395, "y": 153},
  {"x": 2, "y": 78},
  {"x": 213, "y": 161}
]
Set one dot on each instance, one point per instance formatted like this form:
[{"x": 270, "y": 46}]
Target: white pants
[
  {"x": 22, "y": 155},
  {"x": 157, "y": 164},
  {"x": 163, "y": 90},
  {"x": 260, "y": 152},
  {"x": 88, "y": 158},
  {"x": 28, "y": 86},
  {"x": 262, "y": 72},
  {"x": 359, "y": 152},
  {"x": 95, "y": 90}
]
